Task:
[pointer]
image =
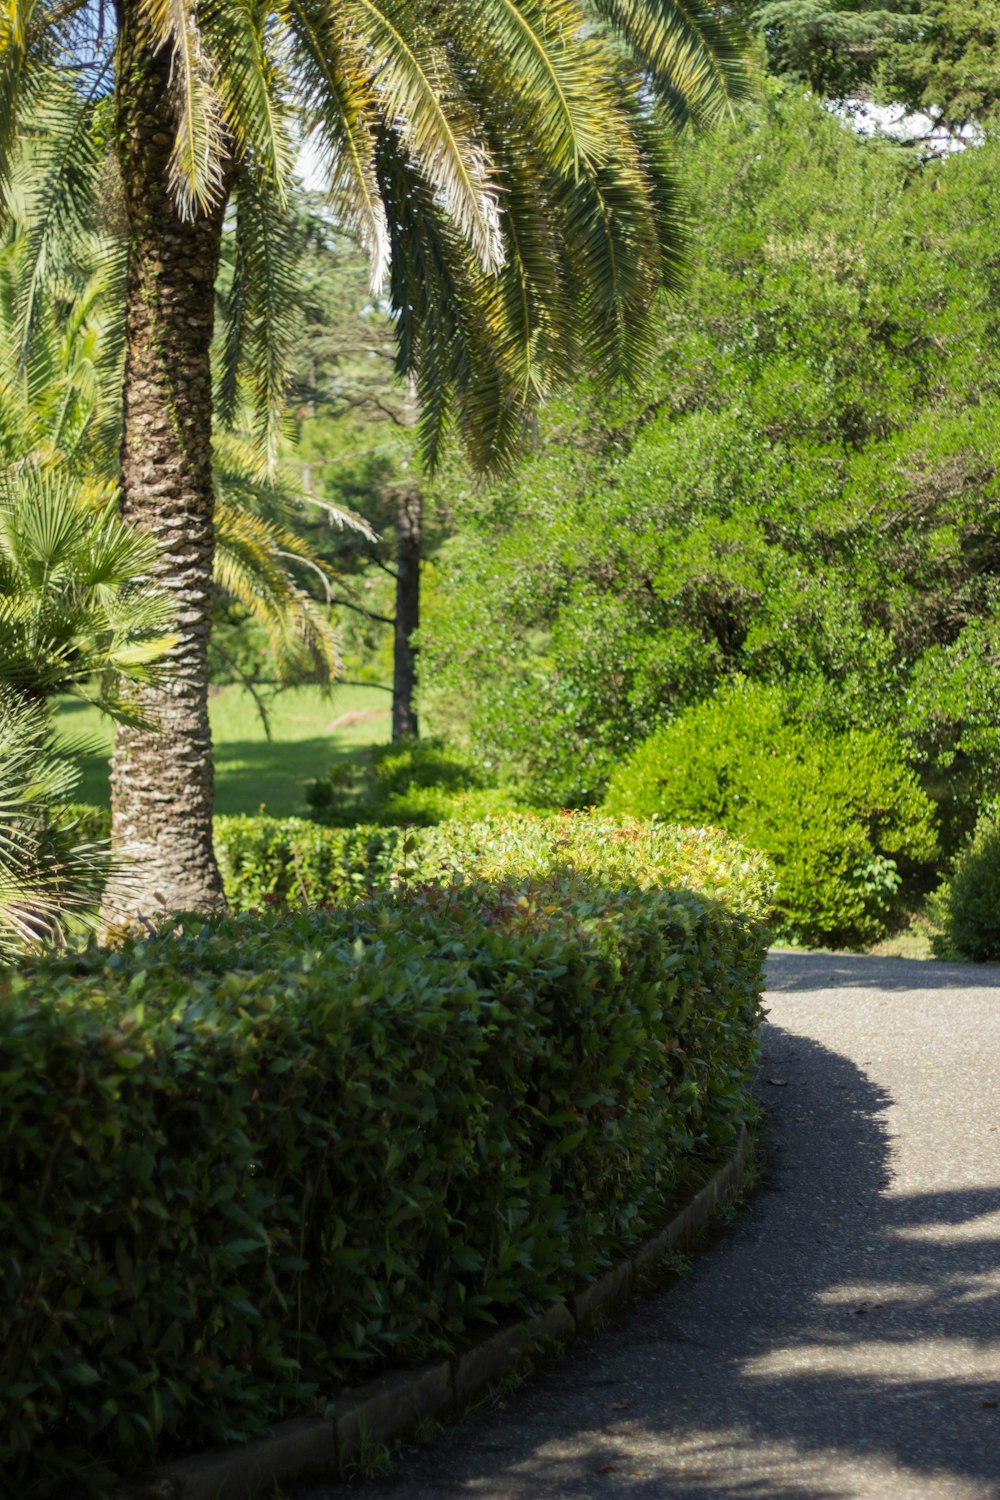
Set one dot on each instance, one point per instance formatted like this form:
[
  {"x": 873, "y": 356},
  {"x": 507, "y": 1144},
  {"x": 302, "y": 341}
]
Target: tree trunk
[
  {"x": 404, "y": 666},
  {"x": 161, "y": 780}
]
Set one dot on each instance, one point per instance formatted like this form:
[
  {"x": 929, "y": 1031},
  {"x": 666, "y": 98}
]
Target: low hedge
[
  {"x": 290, "y": 861},
  {"x": 249, "y": 1158},
  {"x": 277, "y": 862}
]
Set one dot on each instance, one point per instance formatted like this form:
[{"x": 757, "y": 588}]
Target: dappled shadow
[
  {"x": 841, "y": 1340},
  {"x": 251, "y": 774}
]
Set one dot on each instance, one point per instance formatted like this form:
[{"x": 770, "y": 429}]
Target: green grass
[{"x": 252, "y": 773}]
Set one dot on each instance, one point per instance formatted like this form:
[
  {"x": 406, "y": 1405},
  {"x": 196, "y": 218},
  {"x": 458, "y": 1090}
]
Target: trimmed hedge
[
  {"x": 247, "y": 1159},
  {"x": 290, "y": 861},
  {"x": 277, "y": 862}
]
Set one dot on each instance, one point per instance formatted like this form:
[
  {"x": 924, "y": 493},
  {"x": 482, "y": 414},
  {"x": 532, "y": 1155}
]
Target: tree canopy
[{"x": 806, "y": 494}]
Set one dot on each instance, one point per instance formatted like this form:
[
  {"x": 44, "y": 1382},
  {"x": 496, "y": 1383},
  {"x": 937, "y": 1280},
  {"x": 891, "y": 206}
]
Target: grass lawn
[{"x": 252, "y": 774}]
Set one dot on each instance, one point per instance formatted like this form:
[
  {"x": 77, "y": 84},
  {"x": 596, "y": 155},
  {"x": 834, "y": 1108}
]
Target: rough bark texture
[
  {"x": 162, "y": 782},
  {"x": 404, "y": 670}
]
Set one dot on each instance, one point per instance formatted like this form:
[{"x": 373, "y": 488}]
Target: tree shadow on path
[{"x": 842, "y": 1339}]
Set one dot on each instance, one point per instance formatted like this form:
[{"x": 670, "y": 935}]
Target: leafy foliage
[
  {"x": 835, "y": 47},
  {"x": 51, "y": 869},
  {"x": 277, "y": 1152},
  {"x": 75, "y": 597},
  {"x": 60, "y": 434},
  {"x": 417, "y": 781},
  {"x": 505, "y": 168},
  {"x": 276, "y": 861},
  {"x": 966, "y": 907},
  {"x": 938, "y": 58},
  {"x": 950, "y": 68},
  {"x": 841, "y": 816},
  {"x": 806, "y": 495}
]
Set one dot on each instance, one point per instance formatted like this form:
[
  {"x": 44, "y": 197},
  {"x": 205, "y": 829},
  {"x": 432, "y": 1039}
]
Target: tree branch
[{"x": 369, "y": 614}]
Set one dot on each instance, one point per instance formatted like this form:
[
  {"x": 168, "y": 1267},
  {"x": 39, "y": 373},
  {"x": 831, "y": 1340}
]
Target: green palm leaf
[{"x": 48, "y": 876}]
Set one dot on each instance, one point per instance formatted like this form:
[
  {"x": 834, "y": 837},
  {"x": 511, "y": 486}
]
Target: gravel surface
[{"x": 842, "y": 1338}]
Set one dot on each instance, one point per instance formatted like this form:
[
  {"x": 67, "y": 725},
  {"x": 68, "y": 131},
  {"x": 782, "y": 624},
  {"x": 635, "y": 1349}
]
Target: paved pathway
[{"x": 843, "y": 1338}]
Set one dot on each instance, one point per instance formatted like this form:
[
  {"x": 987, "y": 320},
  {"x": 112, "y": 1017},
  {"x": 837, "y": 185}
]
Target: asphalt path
[{"x": 842, "y": 1337}]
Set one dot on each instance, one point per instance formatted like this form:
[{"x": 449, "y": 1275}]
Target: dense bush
[
  {"x": 272, "y": 861},
  {"x": 841, "y": 816},
  {"x": 416, "y": 782},
  {"x": 247, "y": 1159},
  {"x": 967, "y": 906},
  {"x": 293, "y": 861},
  {"x": 269, "y": 862}
]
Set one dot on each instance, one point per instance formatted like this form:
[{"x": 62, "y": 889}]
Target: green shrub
[
  {"x": 967, "y": 906},
  {"x": 273, "y": 862},
  {"x": 613, "y": 852},
  {"x": 841, "y": 816},
  {"x": 247, "y": 1159},
  {"x": 291, "y": 861},
  {"x": 418, "y": 782}
]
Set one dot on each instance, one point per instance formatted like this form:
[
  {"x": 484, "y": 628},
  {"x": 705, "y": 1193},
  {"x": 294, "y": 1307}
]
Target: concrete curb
[{"x": 386, "y": 1407}]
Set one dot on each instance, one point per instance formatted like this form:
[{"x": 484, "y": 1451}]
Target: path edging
[{"x": 387, "y": 1406}]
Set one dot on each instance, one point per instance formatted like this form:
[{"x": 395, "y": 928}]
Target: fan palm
[
  {"x": 504, "y": 161},
  {"x": 48, "y": 874},
  {"x": 75, "y": 601}
]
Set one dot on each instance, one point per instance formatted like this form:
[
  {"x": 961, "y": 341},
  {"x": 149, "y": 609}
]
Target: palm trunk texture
[
  {"x": 404, "y": 672},
  {"x": 162, "y": 780}
]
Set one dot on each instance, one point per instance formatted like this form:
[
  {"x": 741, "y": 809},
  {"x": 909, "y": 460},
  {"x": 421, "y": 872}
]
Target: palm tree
[
  {"x": 503, "y": 160},
  {"x": 61, "y": 416},
  {"x": 77, "y": 614}
]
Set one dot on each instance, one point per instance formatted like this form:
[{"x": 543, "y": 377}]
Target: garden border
[{"x": 384, "y": 1408}]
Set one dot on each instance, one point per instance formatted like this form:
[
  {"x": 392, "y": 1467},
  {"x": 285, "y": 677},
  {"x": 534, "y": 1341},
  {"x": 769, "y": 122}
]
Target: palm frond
[
  {"x": 274, "y": 493},
  {"x": 444, "y": 340},
  {"x": 47, "y": 875},
  {"x": 616, "y": 288},
  {"x": 259, "y": 315},
  {"x": 530, "y": 305},
  {"x": 59, "y": 167},
  {"x": 198, "y": 153},
  {"x": 75, "y": 596},
  {"x": 340, "y": 114},
  {"x": 420, "y": 95},
  {"x": 251, "y": 566},
  {"x": 15, "y": 26},
  {"x": 693, "y": 52},
  {"x": 247, "y": 40},
  {"x": 537, "y": 53}
]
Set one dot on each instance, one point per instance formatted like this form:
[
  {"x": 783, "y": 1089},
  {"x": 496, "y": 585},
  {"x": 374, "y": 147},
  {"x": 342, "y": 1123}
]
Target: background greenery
[
  {"x": 805, "y": 497},
  {"x": 310, "y": 730}
]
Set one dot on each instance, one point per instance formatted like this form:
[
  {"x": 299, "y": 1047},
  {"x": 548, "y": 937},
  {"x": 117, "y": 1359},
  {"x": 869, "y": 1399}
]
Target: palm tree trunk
[
  {"x": 404, "y": 659},
  {"x": 162, "y": 781}
]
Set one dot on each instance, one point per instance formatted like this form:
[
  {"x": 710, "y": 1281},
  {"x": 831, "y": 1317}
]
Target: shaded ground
[{"x": 843, "y": 1338}]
